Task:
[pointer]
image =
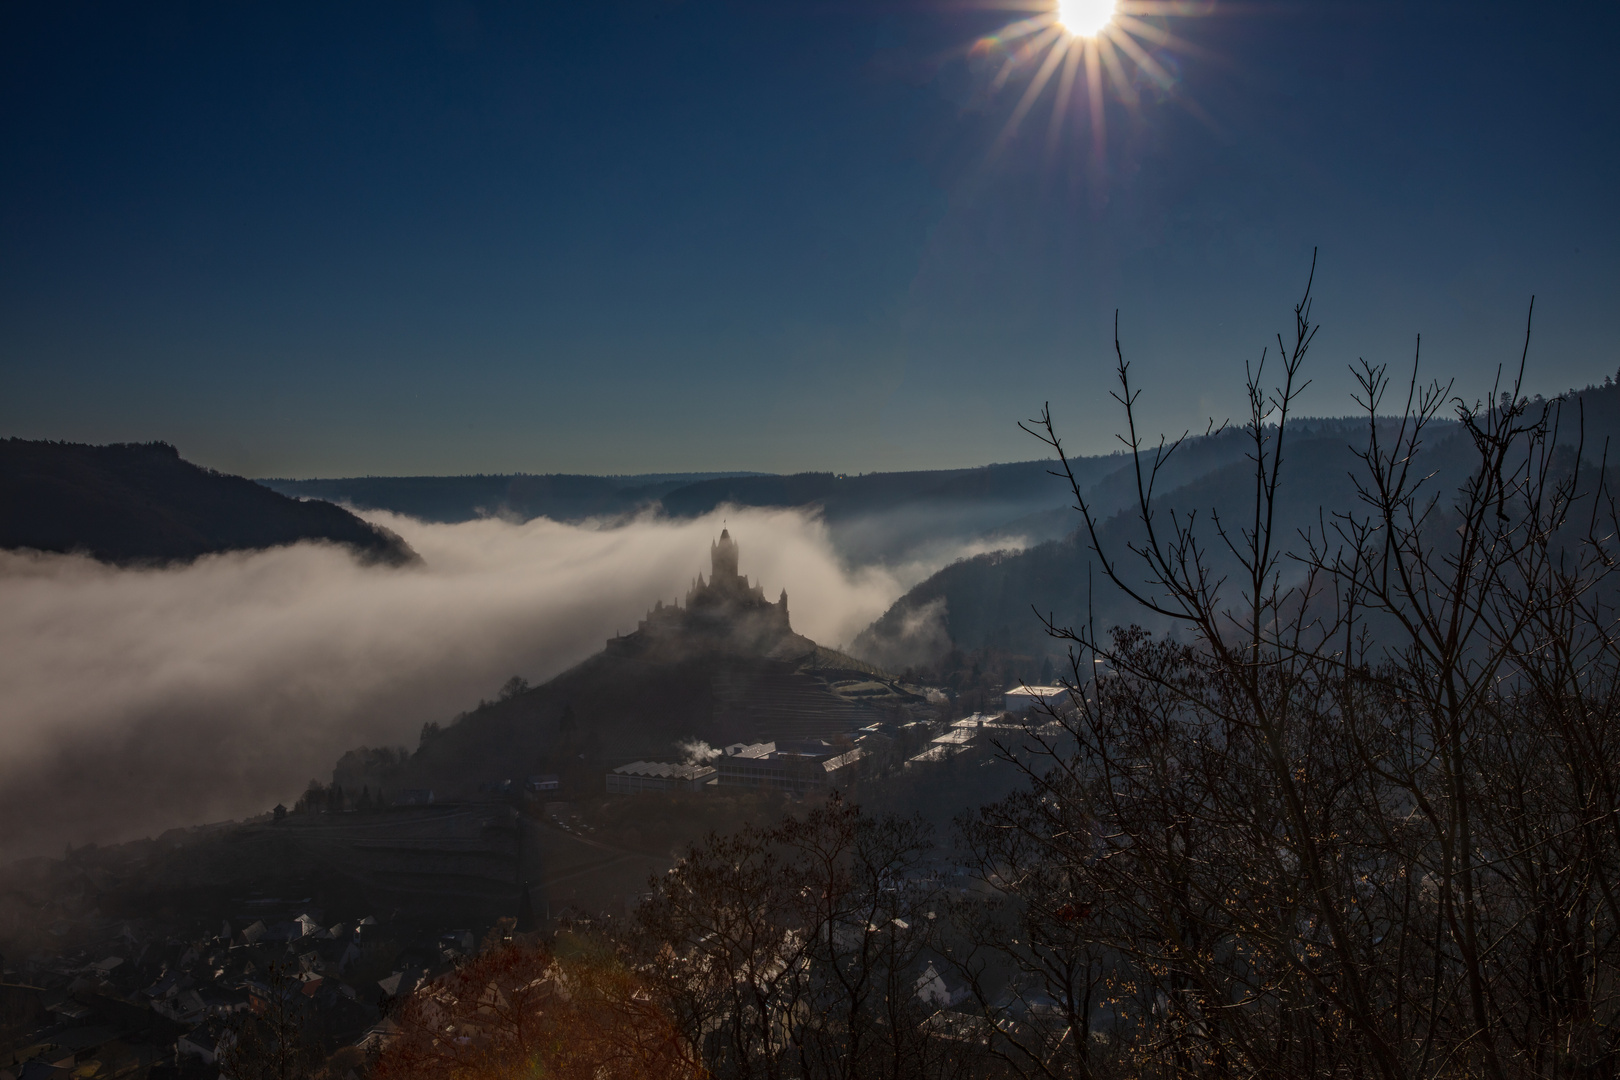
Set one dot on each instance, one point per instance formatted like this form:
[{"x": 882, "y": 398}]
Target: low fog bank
[
  {"x": 138, "y": 700},
  {"x": 912, "y": 542}
]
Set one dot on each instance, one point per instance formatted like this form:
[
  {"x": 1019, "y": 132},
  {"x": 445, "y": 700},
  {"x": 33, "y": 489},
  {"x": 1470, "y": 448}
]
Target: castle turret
[{"x": 723, "y": 554}]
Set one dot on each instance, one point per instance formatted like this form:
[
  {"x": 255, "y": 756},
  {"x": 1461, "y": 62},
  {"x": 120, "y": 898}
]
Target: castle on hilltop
[
  {"x": 727, "y": 594},
  {"x": 725, "y": 611}
]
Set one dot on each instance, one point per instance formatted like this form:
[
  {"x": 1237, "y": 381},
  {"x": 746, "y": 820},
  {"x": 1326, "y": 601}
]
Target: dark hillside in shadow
[{"x": 131, "y": 503}]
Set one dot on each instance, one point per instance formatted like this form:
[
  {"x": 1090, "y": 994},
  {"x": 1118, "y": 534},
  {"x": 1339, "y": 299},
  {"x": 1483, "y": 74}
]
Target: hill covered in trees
[
  {"x": 131, "y": 503},
  {"x": 450, "y": 499},
  {"x": 987, "y": 605},
  {"x": 872, "y": 517}
]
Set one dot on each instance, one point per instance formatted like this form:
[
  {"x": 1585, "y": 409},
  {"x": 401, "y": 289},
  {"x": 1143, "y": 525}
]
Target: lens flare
[
  {"x": 1086, "y": 18},
  {"x": 1089, "y": 50}
]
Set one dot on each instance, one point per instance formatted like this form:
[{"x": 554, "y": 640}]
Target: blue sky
[{"x": 314, "y": 240}]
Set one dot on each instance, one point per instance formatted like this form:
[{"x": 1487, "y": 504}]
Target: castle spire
[{"x": 723, "y": 554}]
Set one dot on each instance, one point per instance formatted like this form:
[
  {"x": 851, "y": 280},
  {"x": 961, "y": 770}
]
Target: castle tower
[
  {"x": 723, "y": 554},
  {"x": 724, "y": 610}
]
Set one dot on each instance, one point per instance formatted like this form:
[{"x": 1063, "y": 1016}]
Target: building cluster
[
  {"x": 728, "y": 610},
  {"x": 818, "y": 765},
  {"x": 640, "y": 777},
  {"x": 799, "y": 768},
  {"x": 136, "y": 1002}
]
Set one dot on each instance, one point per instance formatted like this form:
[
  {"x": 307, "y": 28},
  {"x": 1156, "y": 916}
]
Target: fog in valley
[{"x": 143, "y": 699}]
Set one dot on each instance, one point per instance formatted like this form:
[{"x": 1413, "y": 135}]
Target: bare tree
[
  {"x": 520, "y": 1009},
  {"x": 273, "y": 1041},
  {"x": 794, "y": 951},
  {"x": 1355, "y": 816}
]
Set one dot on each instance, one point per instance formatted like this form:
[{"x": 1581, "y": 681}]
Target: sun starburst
[
  {"x": 1091, "y": 48},
  {"x": 1085, "y": 18}
]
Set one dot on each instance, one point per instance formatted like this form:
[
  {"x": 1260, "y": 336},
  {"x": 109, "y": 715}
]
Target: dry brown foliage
[{"x": 523, "y": 1010}]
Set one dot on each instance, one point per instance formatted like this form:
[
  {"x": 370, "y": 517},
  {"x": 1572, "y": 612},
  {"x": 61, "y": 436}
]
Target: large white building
[
  {"x": 639, "y": 777},
  {"x": 794, "y": 767},
  {"x": 1021, "y": 699}
]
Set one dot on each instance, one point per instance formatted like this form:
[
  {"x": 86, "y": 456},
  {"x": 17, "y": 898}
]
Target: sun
[
  {"x": 1086, "y": 18},
  {"x": 1089, "y": 50}
]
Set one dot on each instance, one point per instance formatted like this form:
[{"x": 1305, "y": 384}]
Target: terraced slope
[{"x": 781, "y": 702}]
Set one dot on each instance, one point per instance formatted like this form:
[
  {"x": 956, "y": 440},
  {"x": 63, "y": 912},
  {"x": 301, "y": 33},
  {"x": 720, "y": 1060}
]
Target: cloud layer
[{"x": 136, "y": 700}]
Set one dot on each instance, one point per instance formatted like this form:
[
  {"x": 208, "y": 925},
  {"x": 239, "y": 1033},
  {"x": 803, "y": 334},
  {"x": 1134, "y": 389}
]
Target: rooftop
[{"x": 664, "y": 769}]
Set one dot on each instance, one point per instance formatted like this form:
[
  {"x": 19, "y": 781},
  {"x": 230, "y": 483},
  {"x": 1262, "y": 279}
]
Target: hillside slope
[
  {"x": 725, "y": 667},
  {"x": 614, "y": 708},
  {"x": 142, "y": 503},
  {"x": 883, "y": 517},
  {"x": 991, "y": 601}
]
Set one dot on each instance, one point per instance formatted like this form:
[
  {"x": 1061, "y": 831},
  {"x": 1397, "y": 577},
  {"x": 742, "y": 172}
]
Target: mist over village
[{"x": 707, "y": 540}]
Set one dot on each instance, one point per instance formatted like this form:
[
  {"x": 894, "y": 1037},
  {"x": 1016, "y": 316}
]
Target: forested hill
[
  {"x": 990, "y": 602},
  {"x": 449, "y": 499},
  {"x": 872, "y": 517},
  {"x": 847, "y": 496},
  {"x": 142, "y": 503},
  {"x": 566, "y": 497}
]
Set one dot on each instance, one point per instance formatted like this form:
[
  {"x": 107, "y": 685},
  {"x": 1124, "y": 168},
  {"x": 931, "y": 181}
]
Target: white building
[
  {"x": 946, "y": 746},
  {"x": 934, "y": 989},
  {"x": 1024, "y": 698},
  {"x": 207, "y": 1042},
  {"x": 794, "y": 767},
  {"x": 639, "y": 777}
]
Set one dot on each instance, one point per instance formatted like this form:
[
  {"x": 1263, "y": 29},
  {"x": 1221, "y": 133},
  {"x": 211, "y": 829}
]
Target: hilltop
[
  {"x": 724, "y": 667},
  {"x": 988, "y": 604},
  {"x": 130, "y": 503},
  {"x": 451, "y": 499}
]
